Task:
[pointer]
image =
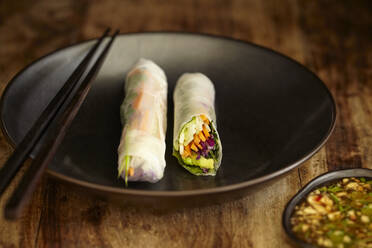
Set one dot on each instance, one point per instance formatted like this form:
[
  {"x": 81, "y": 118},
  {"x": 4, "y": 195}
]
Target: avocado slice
[{"x": 201, "y": 162}]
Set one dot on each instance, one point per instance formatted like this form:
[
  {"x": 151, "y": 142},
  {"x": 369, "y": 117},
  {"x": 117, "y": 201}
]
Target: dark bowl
[
  {"x": 285, "y": 113},
  {"x": 322, "y": 180}
]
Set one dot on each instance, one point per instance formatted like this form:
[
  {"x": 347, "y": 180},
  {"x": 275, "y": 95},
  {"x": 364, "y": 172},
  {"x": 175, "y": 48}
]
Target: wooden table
[{"x": 331, "y": 38}]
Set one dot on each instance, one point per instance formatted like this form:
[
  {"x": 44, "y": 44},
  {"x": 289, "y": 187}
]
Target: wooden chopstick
[
  {"x": 54, "y": 137},
  {"x": 21, "y": 152}
]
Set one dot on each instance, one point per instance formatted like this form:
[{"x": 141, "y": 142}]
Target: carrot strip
[
  {"x": 193, "y": 147},
  {"x": 186, "y": 154},
  {"x": 187, "y": 149},
  {"x": 137, "y": 100},
  {"x": 201, "y": 136},
  {"x": 206, "y": 133},
  {"x": 196, "y": 139},
  {"x": 144, "y": 121},
  {"x": 137, "y": 71},
  {"x": 205, "y": 119},
  {"x": 200, "y": 147}
]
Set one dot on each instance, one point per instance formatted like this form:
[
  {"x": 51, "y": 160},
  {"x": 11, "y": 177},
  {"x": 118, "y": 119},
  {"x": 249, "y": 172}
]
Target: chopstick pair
[{"x": 54, "y": 136}]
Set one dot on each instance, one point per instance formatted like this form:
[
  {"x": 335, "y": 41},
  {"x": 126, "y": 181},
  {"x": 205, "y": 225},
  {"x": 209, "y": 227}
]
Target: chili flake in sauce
[{"x": 339, "y": 215}]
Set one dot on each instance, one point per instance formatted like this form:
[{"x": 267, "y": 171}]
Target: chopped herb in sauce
[{"x": 339, "y": 215}]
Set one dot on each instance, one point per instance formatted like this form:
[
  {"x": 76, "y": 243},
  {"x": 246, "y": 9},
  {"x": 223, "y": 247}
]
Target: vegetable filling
[{"x": 197, "y": 143}]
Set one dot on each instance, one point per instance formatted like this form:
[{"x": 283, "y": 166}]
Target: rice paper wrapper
[
  {"x": 194, "y": 95},
  {"x": 143, "y": 115}
]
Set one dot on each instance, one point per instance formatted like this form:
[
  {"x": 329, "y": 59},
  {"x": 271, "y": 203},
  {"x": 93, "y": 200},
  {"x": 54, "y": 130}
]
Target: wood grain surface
[{"x": 332, "y": 38}]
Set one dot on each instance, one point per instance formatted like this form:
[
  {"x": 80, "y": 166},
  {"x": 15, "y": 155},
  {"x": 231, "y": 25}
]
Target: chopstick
[
  {"x": 21, "y": 152},
  {"x": 55, "y": 135}
]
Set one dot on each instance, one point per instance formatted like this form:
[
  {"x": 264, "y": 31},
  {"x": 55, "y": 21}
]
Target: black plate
[
  {"x": 317, "y": 182},
  {"x": 272, "y": 113}
]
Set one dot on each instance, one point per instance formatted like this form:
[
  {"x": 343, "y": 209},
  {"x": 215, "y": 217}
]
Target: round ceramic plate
[{"x": 272, "y": 113}]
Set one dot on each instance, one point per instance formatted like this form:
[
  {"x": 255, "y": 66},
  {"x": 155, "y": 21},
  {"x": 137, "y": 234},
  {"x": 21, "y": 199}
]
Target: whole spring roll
[
  {"x": 196, "y": 143},
  {"x": 143, "y": 116}
]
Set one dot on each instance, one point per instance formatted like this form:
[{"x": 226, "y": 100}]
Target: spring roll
[
  {"x": 196, "y": 143},
  {"x": 143, "y": 116}
]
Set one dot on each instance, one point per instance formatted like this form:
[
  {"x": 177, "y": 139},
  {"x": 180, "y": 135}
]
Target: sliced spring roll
[
  {"x": 196, "y": 143},
  {"x": 143, "y": 115}
]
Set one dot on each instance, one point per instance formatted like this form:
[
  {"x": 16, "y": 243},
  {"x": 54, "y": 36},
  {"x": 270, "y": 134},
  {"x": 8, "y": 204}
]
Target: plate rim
[{"x": 170, "y": 193}]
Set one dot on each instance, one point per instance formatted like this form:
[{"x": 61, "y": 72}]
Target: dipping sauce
[{"x": 338, "y": 215}]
